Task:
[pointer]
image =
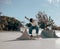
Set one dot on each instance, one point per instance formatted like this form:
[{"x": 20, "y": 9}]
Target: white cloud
[
  {"x": 58, "y": 1},
  {"x": 5, "y": 1},
  {"x": 53, "y": 1},
  {"x": 50, "y": 1}
]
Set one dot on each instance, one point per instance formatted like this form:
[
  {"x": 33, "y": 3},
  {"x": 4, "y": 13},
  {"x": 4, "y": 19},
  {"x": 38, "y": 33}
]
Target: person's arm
[{"x": 27, "y": 18}]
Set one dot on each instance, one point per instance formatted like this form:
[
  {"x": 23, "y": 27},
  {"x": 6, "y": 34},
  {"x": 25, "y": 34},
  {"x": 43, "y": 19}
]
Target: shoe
[{"x": 31, "y": 36}]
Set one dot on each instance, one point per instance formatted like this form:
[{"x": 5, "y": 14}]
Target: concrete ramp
[
  {"x": 48, "y": 34},
  {"x": 24, "y": 36}
]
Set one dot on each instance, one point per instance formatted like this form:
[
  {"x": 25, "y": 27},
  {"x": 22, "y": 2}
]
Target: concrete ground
[{"x": 8, "y": 41}]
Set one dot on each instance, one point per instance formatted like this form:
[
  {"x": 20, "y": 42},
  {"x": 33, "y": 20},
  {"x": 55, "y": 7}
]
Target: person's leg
[
  {"x": 37, "y": 30},
  {"x": 30, "y": 30},
  {"x": 42, "y": 25}
]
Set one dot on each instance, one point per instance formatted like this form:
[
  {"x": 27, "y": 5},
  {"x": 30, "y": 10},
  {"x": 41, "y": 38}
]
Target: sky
[{"x": 21, "y": 8}]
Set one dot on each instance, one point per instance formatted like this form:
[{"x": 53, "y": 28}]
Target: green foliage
[
  {"x": 28, "y": 24},
  {"x": 9, "y": 23}
]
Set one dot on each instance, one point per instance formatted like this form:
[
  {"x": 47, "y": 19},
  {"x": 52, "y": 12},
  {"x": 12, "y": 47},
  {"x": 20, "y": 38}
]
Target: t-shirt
[{"x": 35, "y": 23}]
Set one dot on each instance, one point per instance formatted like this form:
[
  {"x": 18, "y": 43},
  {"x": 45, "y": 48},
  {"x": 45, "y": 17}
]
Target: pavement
[{"x": 8, "y": 40}]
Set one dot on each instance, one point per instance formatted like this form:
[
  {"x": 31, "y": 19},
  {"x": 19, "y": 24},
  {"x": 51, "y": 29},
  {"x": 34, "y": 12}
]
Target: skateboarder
[{"x": 34, "y": 24}]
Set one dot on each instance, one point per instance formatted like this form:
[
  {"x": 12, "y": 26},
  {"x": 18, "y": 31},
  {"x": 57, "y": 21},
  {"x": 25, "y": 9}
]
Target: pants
[
  {"x": 33, "y": 27},
  {"x": 43, "y": 25}
]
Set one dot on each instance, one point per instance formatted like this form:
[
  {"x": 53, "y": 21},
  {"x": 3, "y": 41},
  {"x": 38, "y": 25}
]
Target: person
[{"x": 34, "y": 26}]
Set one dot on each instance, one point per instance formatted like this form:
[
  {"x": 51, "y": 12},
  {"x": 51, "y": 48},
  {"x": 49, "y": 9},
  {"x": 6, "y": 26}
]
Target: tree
[
  {"x": 43, "y": 19},
  {"x": 28, "y": 25},
  {"x": 9, "y": 23}
]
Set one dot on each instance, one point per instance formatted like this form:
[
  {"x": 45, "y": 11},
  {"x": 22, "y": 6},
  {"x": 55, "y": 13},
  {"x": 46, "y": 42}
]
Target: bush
[{"x": 9, "y": 23}]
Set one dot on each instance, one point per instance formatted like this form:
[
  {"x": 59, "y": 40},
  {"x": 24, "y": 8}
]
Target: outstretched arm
[{"x": 27, "y": 18}]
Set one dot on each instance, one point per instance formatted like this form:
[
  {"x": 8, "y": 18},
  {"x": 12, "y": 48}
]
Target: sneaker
[{"x": 31, "y": 36}]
